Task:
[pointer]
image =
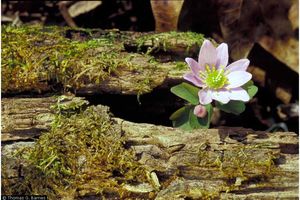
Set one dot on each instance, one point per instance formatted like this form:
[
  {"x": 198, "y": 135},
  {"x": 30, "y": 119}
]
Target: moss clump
[
  {"x": 38, "y": 59},
  {"x": 180, "y": 65},
  {"x": 170, "y": 41},
  {"x": 82, "y": 154},
  {"x": 34, "y": 58}
]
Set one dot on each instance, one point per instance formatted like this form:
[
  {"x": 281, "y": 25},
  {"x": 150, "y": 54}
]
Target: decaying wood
[
  {"x": 25, "y": 118},
  {"x": 144, "y": 76},
  {"x": 167, "y": 150},
  {"x": 128, "y": 81},
  {"x": 232, "y": 163},
  {"x": 228, "y": 163},
  {"x": 136, "y": 75}
]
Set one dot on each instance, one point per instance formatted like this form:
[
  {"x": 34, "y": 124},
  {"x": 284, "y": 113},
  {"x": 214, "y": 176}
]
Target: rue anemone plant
[{"x": 215, "y": 84}]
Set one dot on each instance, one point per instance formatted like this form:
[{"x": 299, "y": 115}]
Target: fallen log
[
  {"x": 93, "y": 61},
  {"x": 86, "y": 61},
  {"x": 80, "y": 151},
  {"x": 226, "y": 163}
]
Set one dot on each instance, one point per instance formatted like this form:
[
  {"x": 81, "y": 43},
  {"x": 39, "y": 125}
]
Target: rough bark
[
  {"x": 227, "y": 163},
  {"x": 143, "y": 77},
  {"x": 132, "y": 71},
  {"x": 25, "y": 118}
]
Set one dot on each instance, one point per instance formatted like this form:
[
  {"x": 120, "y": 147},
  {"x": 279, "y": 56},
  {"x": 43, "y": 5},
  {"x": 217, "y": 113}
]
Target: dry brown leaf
[
  {"x": 284, "y": 50},
  {"x": 81, "y": 7},
  {"x": 237, "y": 25},
  {"x": 258, "y": 75},
  {"x": 230, "y": 10},
  {"x": 166, "y": 13},
  {"x": 283, "y": 94},
  {"x": 244, "y": 22},
  {"x": 294, "y": 14},
  {"x": 62, "y": 5},
  {"x": 239, "y": 47}
]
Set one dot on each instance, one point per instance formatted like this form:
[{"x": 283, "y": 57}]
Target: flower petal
[
  {"x": 239, "y": 94},
  {"x": 221, "y": 96},
  {"x": 240, "y": 65},
  {"x": 238, "y": 78},
  {"x": 222, "y": 55},
  {"x": 193, "y": 79},
  {"x": 207, "y": 54},
  {"x": 205, "y": 97},
  {"x": 200, "y": 111},
  {"x": 193, "y": 65}
]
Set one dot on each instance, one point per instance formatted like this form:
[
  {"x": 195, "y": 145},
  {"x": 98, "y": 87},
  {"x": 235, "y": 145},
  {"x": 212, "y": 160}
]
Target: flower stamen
[
  {"x": 207, "y": 68},
  {"x": 214, "y": 79}
]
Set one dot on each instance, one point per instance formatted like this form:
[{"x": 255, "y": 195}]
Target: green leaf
[
  {"x": 235, "y": 107},
  {"x": 187, "y": 92},
  {"x": 184, "y": 118},
  {"x": 250, "y": 88},
  {"x": 178, "y": 113},
  {"x": 180, "y": 118},
  {"x": 249, "y": 83},
  {"x": 193, "y": 120}
]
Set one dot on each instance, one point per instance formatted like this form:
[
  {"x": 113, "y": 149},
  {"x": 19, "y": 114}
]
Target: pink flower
[
  {"x": 200, "y": 111},
  {"x": 218, "y": 81}
]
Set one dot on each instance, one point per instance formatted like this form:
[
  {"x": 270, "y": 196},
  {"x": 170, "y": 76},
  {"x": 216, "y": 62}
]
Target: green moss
[
  {"x": 39, "y": 59},
  {"x": 33, "y": 57},
  {"x": 82, "y": 154},
  {"x": 168, "y": 41},
  {"x": 180, "y": 65},
  {"x": 36, "y": 58}
]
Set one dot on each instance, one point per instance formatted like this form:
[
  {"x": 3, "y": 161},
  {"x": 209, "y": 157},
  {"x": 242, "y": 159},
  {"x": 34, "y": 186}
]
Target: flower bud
[{"x": 200, "y": 111}]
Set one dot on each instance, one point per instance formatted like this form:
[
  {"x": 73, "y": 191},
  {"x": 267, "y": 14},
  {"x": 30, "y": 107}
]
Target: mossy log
[
  {"x": 227, "y": 163},
  {"x": 88, "y": 61},
  {"x": 232, "y": 163},
  {"x": 92, "y": 61}
]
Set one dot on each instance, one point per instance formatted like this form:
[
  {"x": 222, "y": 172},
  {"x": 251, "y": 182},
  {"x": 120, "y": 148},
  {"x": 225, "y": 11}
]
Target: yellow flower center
[{"x": 214, "y": 79}]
